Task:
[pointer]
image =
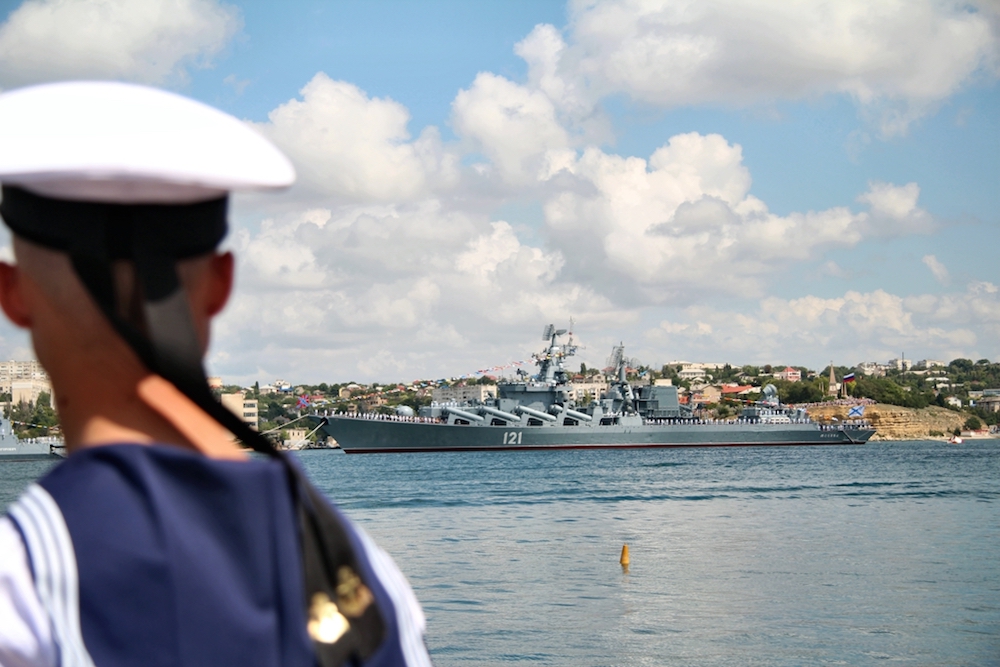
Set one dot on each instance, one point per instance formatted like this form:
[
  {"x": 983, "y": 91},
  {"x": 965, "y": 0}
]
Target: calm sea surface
[{"x": 742, "y": 556}]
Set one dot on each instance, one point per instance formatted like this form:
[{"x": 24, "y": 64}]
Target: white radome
[{"x": 123, "y": 143}]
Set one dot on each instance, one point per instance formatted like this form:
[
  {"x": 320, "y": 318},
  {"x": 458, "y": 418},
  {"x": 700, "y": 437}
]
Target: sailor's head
[{"x": 124, "y": 188}]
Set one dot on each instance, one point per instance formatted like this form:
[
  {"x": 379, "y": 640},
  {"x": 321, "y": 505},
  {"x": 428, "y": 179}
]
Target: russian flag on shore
[{"x": 849, "y": 377}]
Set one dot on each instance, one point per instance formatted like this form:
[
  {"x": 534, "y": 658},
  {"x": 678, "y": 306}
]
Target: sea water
[{"x": 888, "y": 552}]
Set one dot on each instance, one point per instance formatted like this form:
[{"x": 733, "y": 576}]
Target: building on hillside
[
  {"x": 692, "y": 372},
  {"x": 371, "y": 401},
  {"x": 243, "y": 407},
  {"x": 461, "y": 394},
  {"x": 927, "y": 364},
  {"x": 28, "y": 391},
  {"x": 294, "y": 438},
  {"x": 737, "y": 389},
  {"x": 953, "y": 401},
  {"x": 989, "y": 403},
  {"x": 11, "y": 371},
  {"x": 348, "y": 390},
  {"x": 901, "y": 364},
  {"x": 583, "y": 391},
  {"x": 707, "y": 395},
  {"x": 871, "y": 368},
  {"x": 789, "y": 374}
]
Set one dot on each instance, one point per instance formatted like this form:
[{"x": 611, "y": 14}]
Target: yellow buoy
[{"x": 624, "y": 559}]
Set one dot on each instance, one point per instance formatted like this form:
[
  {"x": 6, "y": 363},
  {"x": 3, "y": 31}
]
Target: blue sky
[{"x": 752, "y": 182}]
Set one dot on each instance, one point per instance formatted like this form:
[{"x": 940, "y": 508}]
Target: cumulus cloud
[
  {"x": 896, "y": 60},
  {"x": 515, "y": 127},
  {"x": 857, "y": 326},
  {"x": 355, "y": 148},
  {"x": 894, "y": 209},
  {"x": 683, "y": 225},
  {"x": 148, "y": 41},
  {"x": 344, "y": 281},
  {"x": 937, "y": 268}
]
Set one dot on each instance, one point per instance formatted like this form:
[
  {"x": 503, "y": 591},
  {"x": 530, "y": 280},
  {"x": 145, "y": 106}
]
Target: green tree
[{"x": 34, "y": 420}]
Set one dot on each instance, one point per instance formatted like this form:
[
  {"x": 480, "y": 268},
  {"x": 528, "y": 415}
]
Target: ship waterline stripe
[{"x": 507, "y": 448}]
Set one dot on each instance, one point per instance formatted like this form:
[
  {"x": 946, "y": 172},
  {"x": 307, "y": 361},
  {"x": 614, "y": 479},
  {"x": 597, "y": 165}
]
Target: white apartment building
[
  {"x": 581, "y": 391},
  {"x": 872, "y": 368},
  {"x": 24, "y": 380},
  {"x": 900, "y": 364},
  {"x": 692, "y": 372},
  {"x": 475, "y": 392}
]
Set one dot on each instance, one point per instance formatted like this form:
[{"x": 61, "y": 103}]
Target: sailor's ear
[
  {"x": 221, "y": 276},
  {"x": 12, "y": 295}
]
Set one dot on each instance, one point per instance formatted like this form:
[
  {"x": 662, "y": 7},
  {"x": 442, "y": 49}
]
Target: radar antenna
[
  {"x": 548, "y": 331},
  {"x": 615, "y": 360}
]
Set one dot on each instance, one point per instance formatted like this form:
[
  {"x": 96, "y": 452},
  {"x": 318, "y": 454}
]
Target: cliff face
[{"x": 893, "y": 422}]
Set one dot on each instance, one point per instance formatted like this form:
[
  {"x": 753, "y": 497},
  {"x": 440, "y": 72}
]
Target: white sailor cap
[
  {"x": 108, "y": 171},
  {"x": 103, "y": 141}
]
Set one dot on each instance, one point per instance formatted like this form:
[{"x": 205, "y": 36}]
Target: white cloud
[
  {"x": 937, "y": 268},
  {"x": 896, "y": 60},
  {"x": 683, "y": 225},
  {"x": 355, "y": 148},
  {"x": 515, "y": 127},
  {"x": 442, "y": 282},
  {"x": 148, "y": 41},
  {"x": 894, "y": 209},
  {"x": 857, "y": 326}
]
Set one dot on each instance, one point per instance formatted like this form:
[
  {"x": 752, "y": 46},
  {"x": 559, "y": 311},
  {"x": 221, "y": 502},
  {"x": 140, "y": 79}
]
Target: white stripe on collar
[{"x": 53, "y": 561}]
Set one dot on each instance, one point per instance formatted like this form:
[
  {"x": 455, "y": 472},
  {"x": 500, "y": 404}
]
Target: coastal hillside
[{"x": 893, "y": 422}]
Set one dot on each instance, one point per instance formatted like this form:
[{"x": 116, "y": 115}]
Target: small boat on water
[
  {"x": 13, "y": 448},
  {"x": 538, "y": 413}
]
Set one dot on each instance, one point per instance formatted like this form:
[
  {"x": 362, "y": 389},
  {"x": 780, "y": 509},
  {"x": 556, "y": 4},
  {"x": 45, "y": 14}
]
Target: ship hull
[
  {"x": 356, "y": 436},
  {"x": 24, "y": 451}
]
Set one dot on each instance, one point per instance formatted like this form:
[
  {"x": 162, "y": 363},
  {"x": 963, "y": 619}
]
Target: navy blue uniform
[{"x": 156, "y": 556}]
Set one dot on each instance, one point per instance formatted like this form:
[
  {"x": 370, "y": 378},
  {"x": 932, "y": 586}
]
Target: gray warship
[
  {"x": 537, "y": 413},
  {"x": 13, "y": 448}
]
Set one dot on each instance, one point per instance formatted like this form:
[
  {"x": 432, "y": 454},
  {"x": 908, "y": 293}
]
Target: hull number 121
[{"x": 512, "y": 438}]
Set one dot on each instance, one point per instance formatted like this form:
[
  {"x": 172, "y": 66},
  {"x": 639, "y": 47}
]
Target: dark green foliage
[
  {"x": 886, "y": 390},
  {"x": 802, "y": 392},
  {"x": 973, "y": 423},
  {"x": 33, "y": 420}
]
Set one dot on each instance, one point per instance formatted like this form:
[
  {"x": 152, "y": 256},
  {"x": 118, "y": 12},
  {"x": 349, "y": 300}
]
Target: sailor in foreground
[{"x": 158, "y": 542}]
